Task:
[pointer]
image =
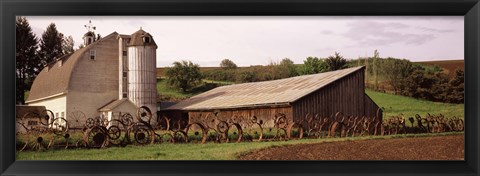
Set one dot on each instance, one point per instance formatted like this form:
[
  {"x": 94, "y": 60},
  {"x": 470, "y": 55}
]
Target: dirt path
[{"x": 421, "y": 148}]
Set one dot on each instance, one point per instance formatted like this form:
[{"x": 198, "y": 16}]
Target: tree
[
  {"x": 184, "y": 75},
  {"x": 312, "y": 65},
  {"x": 287, "y": 68},
  {"x": 51, "y": 44},
  {"x": 27, "y": 63},
  {"x": 396, "y": 71},
  {"x": 67, "y": 45},
  {"x": 227, "y": 63},
  {"x": 336, "y": 62},
  {"x": 375, "y": 70},
  {"x": 457, "y": 84}
]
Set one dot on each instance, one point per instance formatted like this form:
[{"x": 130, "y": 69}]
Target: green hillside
[{"x": 395, "y": 105}]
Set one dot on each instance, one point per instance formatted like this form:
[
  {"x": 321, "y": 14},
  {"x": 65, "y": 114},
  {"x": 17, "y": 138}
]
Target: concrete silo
[{"x": 141, "y": 71}]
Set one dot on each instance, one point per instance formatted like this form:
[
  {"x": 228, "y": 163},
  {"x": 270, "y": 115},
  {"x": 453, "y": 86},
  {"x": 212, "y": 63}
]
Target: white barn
[{"x": 115, "y": 74}]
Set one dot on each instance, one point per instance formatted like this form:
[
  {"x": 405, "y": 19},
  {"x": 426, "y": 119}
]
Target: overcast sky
[{"x": 260, "y": 40}]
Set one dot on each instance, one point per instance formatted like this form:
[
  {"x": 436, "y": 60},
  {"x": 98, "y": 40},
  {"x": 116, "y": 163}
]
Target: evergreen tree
[
  {"x": 27, "y": 63},
  {"x": 336, "y": 62},
  {"x": 67, "y": 45},
  {"x": 51, "y": 44}
]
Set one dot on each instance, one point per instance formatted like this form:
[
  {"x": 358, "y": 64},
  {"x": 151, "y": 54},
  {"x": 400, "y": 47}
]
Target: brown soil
[
  {"x": 420, "y": 148},
  {"x": 448, "y": 66}
]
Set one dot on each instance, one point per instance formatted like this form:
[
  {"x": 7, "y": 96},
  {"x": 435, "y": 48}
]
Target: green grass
[
  {"x": 208, "y": 151},
  {"x": 395, "y": 105}
]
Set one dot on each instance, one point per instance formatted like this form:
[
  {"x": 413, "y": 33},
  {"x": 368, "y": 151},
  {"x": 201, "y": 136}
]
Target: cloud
[
  {"x": 435, "y": 30},
  {"x": 327, "y": 32},
  {"x": 380, "y": 34}
]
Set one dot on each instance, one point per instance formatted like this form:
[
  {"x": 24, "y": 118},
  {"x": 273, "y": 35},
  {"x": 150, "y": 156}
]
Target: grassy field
[
  {"x": 395, "y": 105},
  {"x": 208, "y": 151}
]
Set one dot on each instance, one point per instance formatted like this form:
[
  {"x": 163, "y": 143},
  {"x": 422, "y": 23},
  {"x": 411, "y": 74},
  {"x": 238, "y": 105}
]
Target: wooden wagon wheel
[
  {"x": 116, "y": 135},
  {"x": 144, "y": 114},
  {"x": 46, "y": 117},
  {"x": 292, "y": 127},
  {"x": 234, "y": 133},
  {"x": 143, "y": 135},
  {"x": 255, "y": 132},
  {"x": 196, "y": 132},
  {"x": 96, "y": 137},
  {"x": 180, "y": 136},
  {"x": 59, "y": 126},
  {"x": 76, "y": 120},
  {"x": 126, "y": 119}
]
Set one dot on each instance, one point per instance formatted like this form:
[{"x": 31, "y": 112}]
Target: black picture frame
[{"x": 9, "y": 9}]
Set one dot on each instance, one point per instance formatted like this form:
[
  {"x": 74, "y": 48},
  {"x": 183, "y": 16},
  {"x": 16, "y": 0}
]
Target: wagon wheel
[
  {"x": 253, "y": 119},
  {"x": 67, "y": 139},
  {"x": 90, "y": 123},
  {"x": 281, "y": 134},
  {"x": 235, "y": 133},
  {"x": 167, "y": 137},
  {"x": 295, "y": 130},
  {"x": 46, "y": 117},
  {"x": 222, "y": 127},
  {"x": 115, "y": 135},
  {"x": 255, "y": 132},
  {"x": 144, "y": 114},
  {"x": 22, "y": 136},
  {"x": 96, "y": 137},
  {"x": 59, "y": 126},
  {"x": 126, "y": 119},
  {"x": 212, "y": 135},
  {"x": 103, "y": 122},
  {"x": 196, "y": 133},
  {"x": 39, "y": 141},
  {"x": 281, "y": 122},
  {"x": 143, "y": 135},
  {"x": 76, "y": 120},
  {"x": 180, "y": 137}
]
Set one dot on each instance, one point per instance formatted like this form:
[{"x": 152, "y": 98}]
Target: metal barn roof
[{"x": 266, "y": 93}]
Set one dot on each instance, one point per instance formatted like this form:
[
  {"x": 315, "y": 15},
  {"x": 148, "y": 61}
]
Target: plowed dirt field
[{"x": 419, "y": 148}]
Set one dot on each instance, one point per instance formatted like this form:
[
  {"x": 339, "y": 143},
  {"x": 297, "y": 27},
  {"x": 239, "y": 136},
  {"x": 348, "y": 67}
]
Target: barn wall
[
  {"x": 55, "y": 104},
  {"x": 346, "y": 95},
  {"x": 266, "y": 114},
  {"x": 371, "y": 108}
]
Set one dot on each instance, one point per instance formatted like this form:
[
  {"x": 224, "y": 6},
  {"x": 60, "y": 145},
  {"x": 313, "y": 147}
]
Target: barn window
[
  {"x": 62, "y": 114},
  {"x": 146, "y": 39},
  {"x": 124, "y": 53},
  {"x": 56, "y": 114},
  {"x": 124, "y": 94},
  {"x": 92, "y": 54},
  {"x": 124, "y": 74}
]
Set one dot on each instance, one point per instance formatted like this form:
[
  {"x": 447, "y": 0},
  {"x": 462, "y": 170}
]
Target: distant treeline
[
  {"x": 397, "y": 76},
  {"x": 402, "y": 77}
]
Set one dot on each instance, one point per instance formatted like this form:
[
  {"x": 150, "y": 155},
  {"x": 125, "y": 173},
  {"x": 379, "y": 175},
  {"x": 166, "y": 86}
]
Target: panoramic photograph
[{"x": 240, "y": 88}]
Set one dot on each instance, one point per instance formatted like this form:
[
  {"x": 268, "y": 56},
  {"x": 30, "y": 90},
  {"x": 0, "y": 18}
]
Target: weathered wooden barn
[{"x": 324, "y": 94}]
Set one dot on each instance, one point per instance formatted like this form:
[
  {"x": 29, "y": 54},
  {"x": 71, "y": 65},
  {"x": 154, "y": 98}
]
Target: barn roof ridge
[{"x": 265, "y": 93}]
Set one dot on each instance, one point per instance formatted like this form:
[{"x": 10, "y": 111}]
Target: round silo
[{"x": 142, "y": 71}]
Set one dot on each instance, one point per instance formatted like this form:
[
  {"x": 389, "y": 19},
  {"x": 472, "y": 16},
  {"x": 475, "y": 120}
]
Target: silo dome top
[{"x": 141, "y": 38}]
